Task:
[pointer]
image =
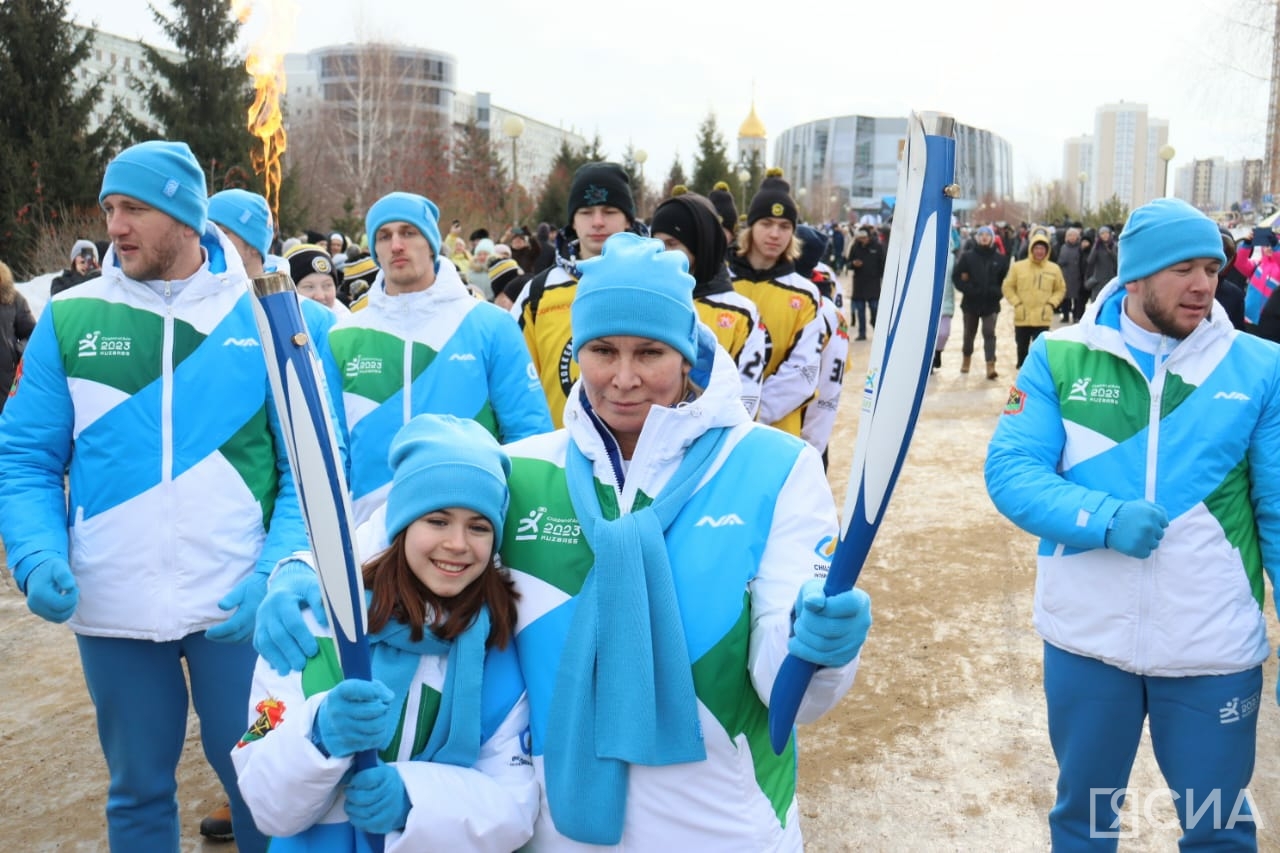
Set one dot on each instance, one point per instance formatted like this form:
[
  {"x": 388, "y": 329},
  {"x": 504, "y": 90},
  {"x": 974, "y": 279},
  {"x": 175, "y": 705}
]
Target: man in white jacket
[
  {"x": 1141, "y": 445},
  {"x": 148, "y": 386}
]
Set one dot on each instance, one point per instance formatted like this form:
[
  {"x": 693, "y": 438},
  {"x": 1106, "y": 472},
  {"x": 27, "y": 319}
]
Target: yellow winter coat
[{"x": 1034, "y": 288}]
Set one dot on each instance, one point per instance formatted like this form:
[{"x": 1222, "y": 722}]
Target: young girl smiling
[{"x": 446, "y": 707}]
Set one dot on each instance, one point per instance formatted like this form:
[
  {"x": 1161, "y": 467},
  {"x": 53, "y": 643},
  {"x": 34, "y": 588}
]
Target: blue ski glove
[
  {"x": 1137, "y": 528},
  {"x": 280, "y": 634},
  {"x": 377, "y": 801},
  {"x": 829, "y": 631},
  {"x": 244, "y": 599},
  {"x": 52, "y": 593},
  {"x": 356, "y": 715}
]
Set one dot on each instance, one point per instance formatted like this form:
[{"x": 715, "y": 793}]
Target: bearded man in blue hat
[
  {"x": 148, "y": 387},
  {"x": 1140, "y": 444}
]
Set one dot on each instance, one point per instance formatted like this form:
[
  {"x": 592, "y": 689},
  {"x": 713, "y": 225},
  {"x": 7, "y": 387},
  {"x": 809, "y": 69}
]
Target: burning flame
[{"x": 265, "y": 63}]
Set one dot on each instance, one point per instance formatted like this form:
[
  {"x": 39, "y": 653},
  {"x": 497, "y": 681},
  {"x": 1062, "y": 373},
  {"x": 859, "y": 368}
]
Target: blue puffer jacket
[
  {"x": 1084, "y": 430},
  {"x": 160, "y": 412}
]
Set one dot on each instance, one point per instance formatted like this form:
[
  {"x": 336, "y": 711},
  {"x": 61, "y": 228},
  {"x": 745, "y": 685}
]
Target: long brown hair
[
  {"x": 399, "y": 595},
  {"x": 7, "y": 291}
]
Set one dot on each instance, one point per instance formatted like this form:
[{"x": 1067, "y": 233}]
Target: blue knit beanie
[
  {"x": 244, "y": 214},
  {"x": 164, "y": 175},
  {"x": 1162, "y": 233},
  {"x": 636, "y": 287},
  {"x": 441, "y": 461},
  {"x": 419, "y": 211}
]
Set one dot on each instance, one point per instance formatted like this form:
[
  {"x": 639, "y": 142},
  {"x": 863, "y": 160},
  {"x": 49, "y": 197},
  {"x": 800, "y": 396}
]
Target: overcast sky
[{"x": 649, "y": 73}]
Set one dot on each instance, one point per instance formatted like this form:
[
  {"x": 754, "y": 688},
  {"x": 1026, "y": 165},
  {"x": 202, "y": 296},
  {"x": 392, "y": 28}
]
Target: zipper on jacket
[
  {"x": 166, "y": 440},
  {"x": 1147, "y": 579},
  {"x": 166, "y": 397},
  {"x": 408, "y": 380}
]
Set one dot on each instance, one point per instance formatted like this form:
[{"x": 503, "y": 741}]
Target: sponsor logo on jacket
[
  {"x": 362, "y": 365},
  {"x": 730, "y": 520},
  {"x": 1084, "y": 390},
  {"x": 95, "y": 344},
  {"x": 539, "y": 526}
]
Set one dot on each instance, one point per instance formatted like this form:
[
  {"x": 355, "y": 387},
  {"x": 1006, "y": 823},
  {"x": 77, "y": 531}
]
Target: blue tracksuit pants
[
  {"x": 139, "y": 690},
  {"x": 1203, "y": 732}
]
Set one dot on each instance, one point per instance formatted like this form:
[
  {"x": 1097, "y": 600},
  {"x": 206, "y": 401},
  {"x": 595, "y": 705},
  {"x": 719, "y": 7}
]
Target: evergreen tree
[
  {"x": 553, "y": 205},
  {"x": 51, "y": 163},
  {"x": 635, "y": 178},
  {"x": 554, "y": 202},
  {"x": 480, "y": 187},
  {"x": 592, "y": 152},
  {"x": 1113, "y": 211},
  {"x": 711, "y": 160},
  {"x": 755, "y": 168},
  {"x": 676, "y": 177},
  {"x": 202, "y": 99}
]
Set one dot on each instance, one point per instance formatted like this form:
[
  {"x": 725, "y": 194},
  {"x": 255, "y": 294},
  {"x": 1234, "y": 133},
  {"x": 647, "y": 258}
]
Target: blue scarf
[
  {"x": 455, "y": 737},
  {"x": 624, "y": 690}
]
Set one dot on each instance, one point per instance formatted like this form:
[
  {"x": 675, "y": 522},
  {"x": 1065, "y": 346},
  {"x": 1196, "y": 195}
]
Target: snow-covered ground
[{"x": 36, "y": 291}]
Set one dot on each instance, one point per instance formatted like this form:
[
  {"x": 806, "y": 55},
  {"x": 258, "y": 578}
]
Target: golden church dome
[{"x": 753, "y": 127}]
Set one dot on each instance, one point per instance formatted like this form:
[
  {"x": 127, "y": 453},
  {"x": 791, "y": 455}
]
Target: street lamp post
[
  {"x": 640, "y": 157},
  {"x": 1166, "y": 153},
  {"x": 800, "y": 194},
  {"x": 1082, "y": 177},
  {"x": 743, "y": 176},
  {"x": 512, "y": 128}
]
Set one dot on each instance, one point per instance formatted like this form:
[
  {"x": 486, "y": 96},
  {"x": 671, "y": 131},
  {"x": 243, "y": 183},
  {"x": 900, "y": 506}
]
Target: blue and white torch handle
[
  {"x": 305, "y": 419},
  {"x": 897, "y": 373}
]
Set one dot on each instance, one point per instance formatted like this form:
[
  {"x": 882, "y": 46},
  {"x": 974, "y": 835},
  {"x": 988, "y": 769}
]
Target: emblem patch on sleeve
[
  {"x": 17, "y": 377},
  {"x": 1015, "y": 402},
  {"x": 270, "y": 713}
]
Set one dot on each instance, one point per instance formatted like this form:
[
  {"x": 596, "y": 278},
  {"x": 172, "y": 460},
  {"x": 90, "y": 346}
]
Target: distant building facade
[
  {"x": 1126, "y": 155},
  {"x": 1077, "y": 160},
  {"x": 847, "y": 165},
  {"x": 1215, "y": 184},
  {"x": 114, "y": 60},
  {"x": 400, "y": 87},
  {"x": 421, "y": 83},
  {"x": 536, "y": 147}
]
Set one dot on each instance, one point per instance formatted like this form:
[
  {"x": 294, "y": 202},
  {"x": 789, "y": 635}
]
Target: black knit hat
[
  {"x": 307, "y": 259},
  {"x": 502, "y": 271},
  {"x": 358, "y": 276},
  {"x": 601, "y": 183},
  {"x": 773, "y": 200},
  {"x": 722, "y": 200},
  {"x": 692, "y": 220}
]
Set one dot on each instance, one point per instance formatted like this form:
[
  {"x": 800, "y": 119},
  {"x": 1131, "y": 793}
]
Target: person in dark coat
[
  {"x": 16, "y": 325},
  {"x": 978, "y": 276},
  {"x": 546, "y": 239},
  {"x": 84, "y": 266},
  {"x": 1100, "y": 268},
  {"x": 866, "y": 259},
  {"x": 835, "y": 249},
  {"x": 1071, "y": 259},
  {"x": 1232, "y": 285},
  {"x": 525, "y": 248}
]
